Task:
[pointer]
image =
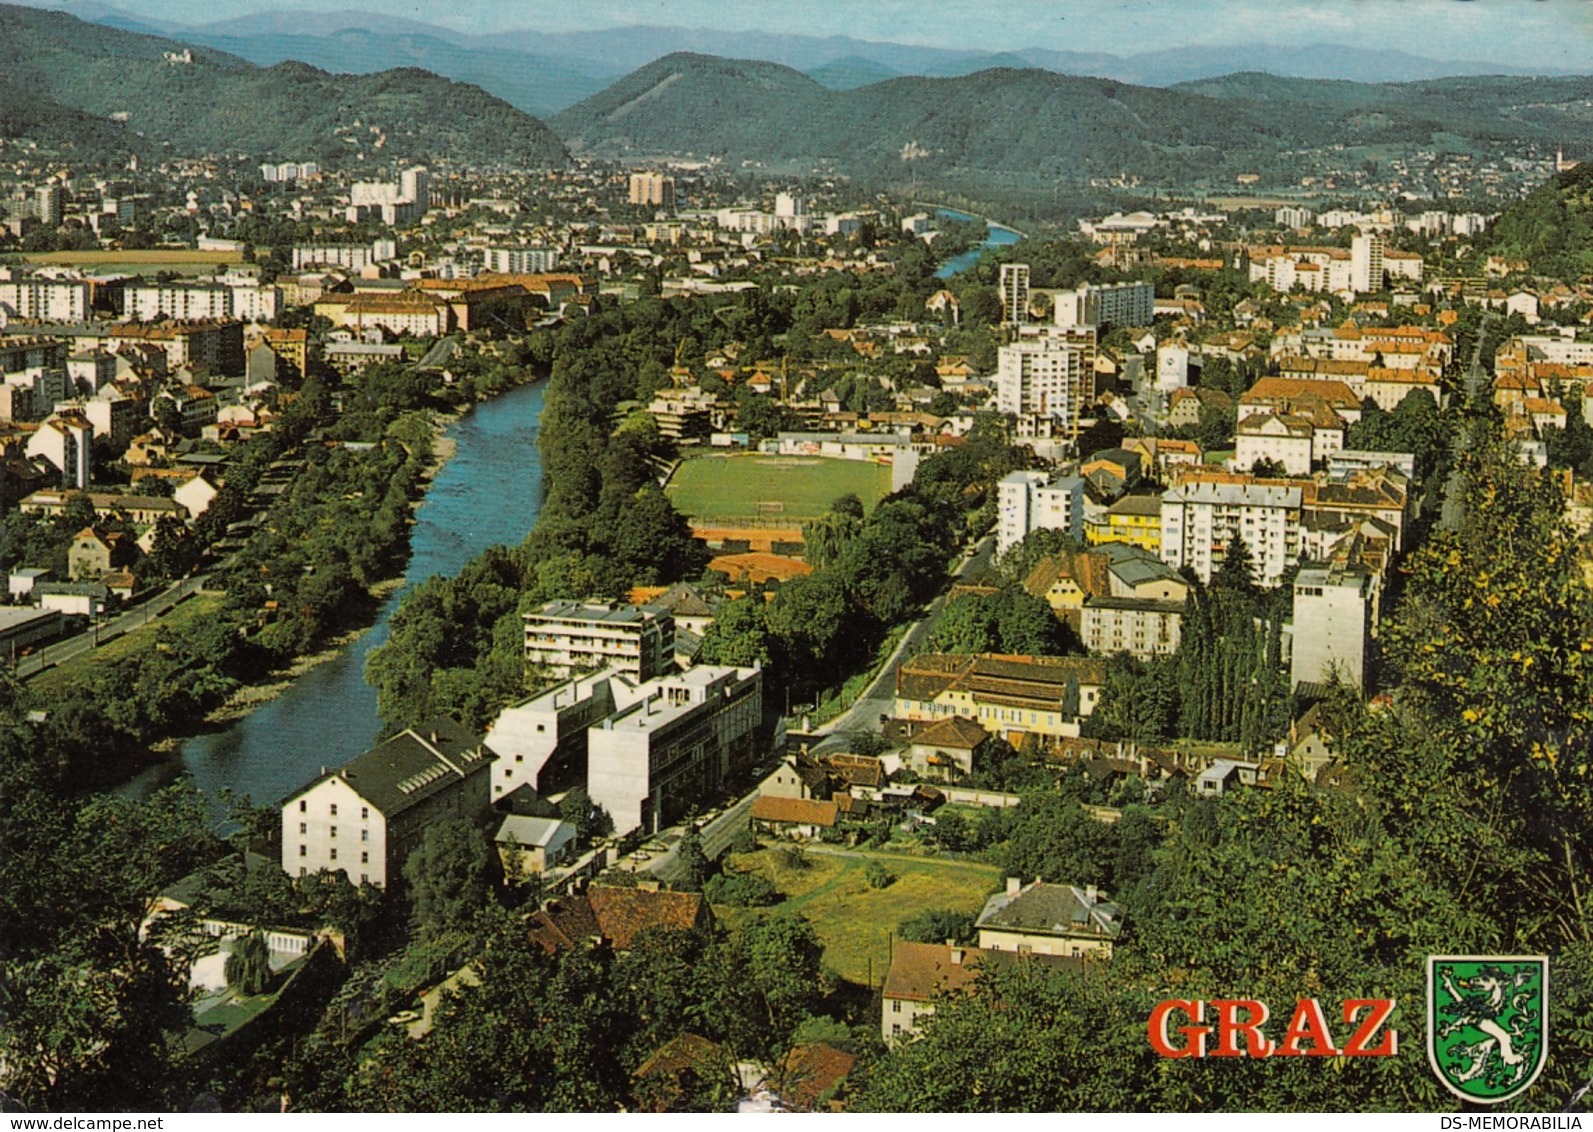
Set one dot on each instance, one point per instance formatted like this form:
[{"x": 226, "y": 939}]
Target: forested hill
[
  {"x": 1552, "y": 228},
  {"x": 1026, "y": 120},
  {"x": 59, "y": 69},
  {"x": 1034, "y": 122}
]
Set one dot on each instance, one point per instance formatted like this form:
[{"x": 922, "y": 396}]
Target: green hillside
[
  {"x": 1553, "y": 227},
  {"x": 1032, "y": 121},
  {"x": 1037, "y": 125},
  {"x": 220, "y": 103}
]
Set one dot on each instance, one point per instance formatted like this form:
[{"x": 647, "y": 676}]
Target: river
[
  {"x": 489, "y": 492},
  {"x": 996, "y": 236}
]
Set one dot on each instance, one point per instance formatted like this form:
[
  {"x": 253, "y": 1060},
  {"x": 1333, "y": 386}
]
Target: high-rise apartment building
[
  {"x": 1366, "y": 263},
  {"x": 652, "y": 189},
  {"x": 1014, "y": 293}
]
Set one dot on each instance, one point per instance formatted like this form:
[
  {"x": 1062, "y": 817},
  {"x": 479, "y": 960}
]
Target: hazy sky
[{"x": 1555, "y": 34}]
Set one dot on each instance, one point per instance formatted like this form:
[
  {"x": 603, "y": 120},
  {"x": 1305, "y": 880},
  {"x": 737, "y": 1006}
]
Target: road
[
  {"x": 717, "y": 835},
  {"x": 117, "y": 626},
  {"x": 879, "y": 698},
  {"x": 1454, "y": 511}
]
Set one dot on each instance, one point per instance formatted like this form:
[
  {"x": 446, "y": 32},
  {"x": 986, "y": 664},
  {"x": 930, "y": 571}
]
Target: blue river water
[
  {"x": 490, "y": 492},
  {"x": 997, "y": 236}
]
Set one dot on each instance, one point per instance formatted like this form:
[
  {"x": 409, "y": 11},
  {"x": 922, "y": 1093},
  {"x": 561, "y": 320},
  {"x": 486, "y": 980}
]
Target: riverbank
[
  {"x": 250, "y": 697},
  {"x": 269, "y": 738}
]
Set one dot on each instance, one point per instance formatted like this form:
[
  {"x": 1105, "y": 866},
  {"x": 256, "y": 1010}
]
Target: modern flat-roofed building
[
  {"x": 366, "y": 817},
  {"x": 571, "y": 636},
  {"x": 1034, "y": 501},
  {"x": 1202, "y": 521},
  {"x": 674, "y": 746},
  {"x": 1332, "y": 624}
]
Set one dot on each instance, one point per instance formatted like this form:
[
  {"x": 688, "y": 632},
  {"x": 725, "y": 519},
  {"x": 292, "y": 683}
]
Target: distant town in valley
[{"x": 744, "y": 588}]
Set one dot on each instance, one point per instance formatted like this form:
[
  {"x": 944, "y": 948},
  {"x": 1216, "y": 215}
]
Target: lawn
[
  {"x": 804, "y": 486},
  {"x": 854, "y": 921},
  {"x": 62, "y": 676}
]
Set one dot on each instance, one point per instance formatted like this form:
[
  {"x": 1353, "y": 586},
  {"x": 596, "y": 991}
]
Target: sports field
[{"x": 773, "y": 487}]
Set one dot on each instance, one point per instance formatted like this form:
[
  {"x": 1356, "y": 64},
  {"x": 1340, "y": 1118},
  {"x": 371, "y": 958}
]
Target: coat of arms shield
[{"x": 1487, "y": 1023}]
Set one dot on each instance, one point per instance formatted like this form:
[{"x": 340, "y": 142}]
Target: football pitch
[{"x": 773, "y": 487}]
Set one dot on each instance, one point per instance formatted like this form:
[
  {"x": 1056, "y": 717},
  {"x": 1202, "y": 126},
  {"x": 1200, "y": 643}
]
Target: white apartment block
[
  {"x": 66, "y": 443},
  {"x": 521, "y": 261},
  {"x": 289, "y": 171},
  {"x": 1366, "y": 263},
  {"x": 366, "y": 817},
  {"x": 1034, "y": 501},
  {"x": 1202, "y": 519},
  {"x": 1279, "y": 437},
  {"x": 49, "y": 300},
  {"x": 1293, "y": 217},
  {"x": 652, "y": 189},
  {"x": 1051, "y": 376},
  {"x": 91, "y": 371},
  {"x": 573, "y": 636},
  {"x": 1097, "y": 304},
  {"x": 151, "y": 302},
  {"x": 675, "y": 746},
  {"x": 350, "y": 257},
  {"x": 255, "y": 302},
  {"x": 1332, "y": 624},
  {"x": 541, "y": 742},
  {"x": 1142, "y": 627}
]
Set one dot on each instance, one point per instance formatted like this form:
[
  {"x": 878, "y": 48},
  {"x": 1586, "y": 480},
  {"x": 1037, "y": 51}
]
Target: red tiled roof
[
  {"x": 794, "y": 811},
  {"x": 622, "y": 913},
  {"x": 809, "y": 1071}
]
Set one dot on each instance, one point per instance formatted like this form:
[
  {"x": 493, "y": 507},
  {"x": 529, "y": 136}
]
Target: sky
[{"x": 1553, "y": 34}]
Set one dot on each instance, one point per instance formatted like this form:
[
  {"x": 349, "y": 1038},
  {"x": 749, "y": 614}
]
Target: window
[
  {"x": 365, "y": 858},
  {"x": 333, "y": 809},
  {"x": 519, "y": 758},
  {"x": 303, "y": 806},
  {"x": 896, "y": 1006},
  {"x": 507, "y": 773},
  {"x": 540, "y": 727},
  {"x": 896, "y": 1028},
  {"x": 365, "y": 878},
  {"x": 365, "y": 835},
  {"x": 304, "y": 827},
  {"x": 333, "y": 855},
  {"x": 334, "y": 833},
  {"x": 365, "y": 813},
  {"x": 304, "y": 851},
  {"x": 303, "y": 871}
]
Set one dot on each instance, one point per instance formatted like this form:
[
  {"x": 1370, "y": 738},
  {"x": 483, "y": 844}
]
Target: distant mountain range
[
  {"x": 1018, "y": 126},
  {"x": 543, "y": 72},
  {"x": 1044, "y": 127},
  {"x": 62, "y": 79}
]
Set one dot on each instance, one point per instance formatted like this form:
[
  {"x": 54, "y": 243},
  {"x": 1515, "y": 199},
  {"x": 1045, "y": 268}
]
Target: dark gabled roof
[
  {"x": 1052, "y": 909},
  {"x": 412, "y": 766},
  {"x": 680, "y": 1053},
  {"x": 855, "y": 770},
  {"x": 954, "y": 732},
  {"x": 565, "y": 924}
]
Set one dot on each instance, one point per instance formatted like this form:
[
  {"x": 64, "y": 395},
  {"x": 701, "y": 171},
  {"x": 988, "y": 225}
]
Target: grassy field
[
  {"x": 151, "y": 257},
  {"x": 856, "y": 921},
  {"x": 805, "y": 486},
  {"x": 62, "y": 676}
]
